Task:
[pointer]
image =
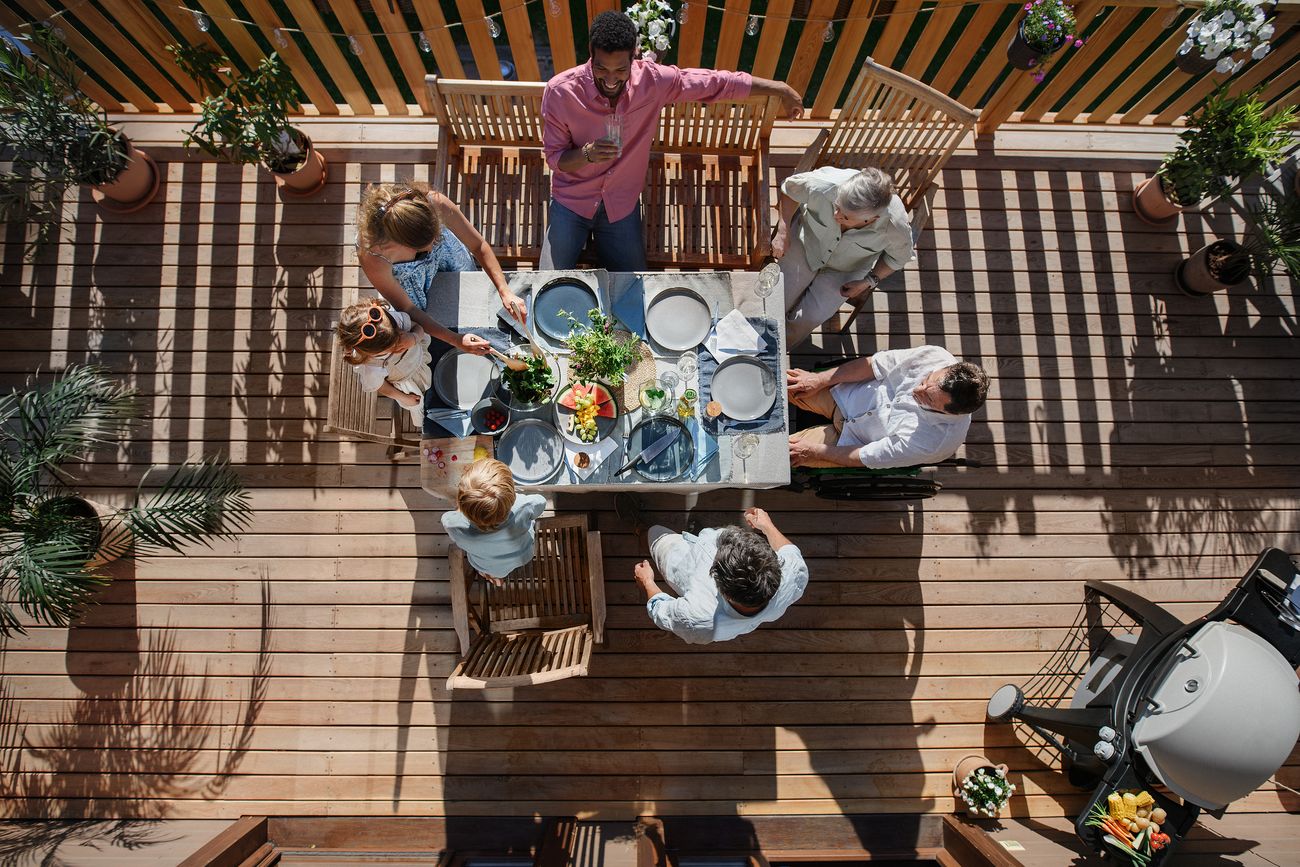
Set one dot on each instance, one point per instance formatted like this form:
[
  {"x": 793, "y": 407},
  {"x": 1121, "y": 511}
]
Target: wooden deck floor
[{"x": 1133, "y": 435}]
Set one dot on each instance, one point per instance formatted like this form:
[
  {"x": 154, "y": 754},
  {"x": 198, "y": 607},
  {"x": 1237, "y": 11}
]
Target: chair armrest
[
  {"x": 921, "y": 213},
  {"x": 808, "y": 161},
  {"x": 596, "y": 562},
  {"x": 459, "y": 597}
]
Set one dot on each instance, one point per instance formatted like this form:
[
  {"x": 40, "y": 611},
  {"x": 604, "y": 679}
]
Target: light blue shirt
[
  {"x": 501, "y": 550},
  {"x": 702, "y": 614}
]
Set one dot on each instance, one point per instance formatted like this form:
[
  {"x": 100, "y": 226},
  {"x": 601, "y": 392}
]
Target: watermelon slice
[
  {"x": 606, "y": 410},
  {"x": 603, "y": 397},
  {"x": 575, "y": 391}
]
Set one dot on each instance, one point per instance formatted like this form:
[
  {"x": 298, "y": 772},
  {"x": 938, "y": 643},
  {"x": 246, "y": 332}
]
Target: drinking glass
[
  {"x": 668, "y": 381},
  {"x": 744, "y": 447},
  {"x": 688, "y": 366},
  {"x": 614, "y": 130},
  {"x": 768, "y": 277}
]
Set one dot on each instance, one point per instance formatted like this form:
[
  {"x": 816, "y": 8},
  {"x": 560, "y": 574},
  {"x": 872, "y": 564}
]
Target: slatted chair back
[
  {"x": 491, "y": 113},
  {"x": 741, "y": 126},
  {"x": 898, "y": 124},
  {"x": 541, "y": 625},
  {"x": 357, "y": 414}
]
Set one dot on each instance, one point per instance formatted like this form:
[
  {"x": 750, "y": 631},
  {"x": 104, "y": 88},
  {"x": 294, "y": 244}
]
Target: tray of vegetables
[
  {"x": 1129, "y": 822},
  {"x": 531, "y": 388}
]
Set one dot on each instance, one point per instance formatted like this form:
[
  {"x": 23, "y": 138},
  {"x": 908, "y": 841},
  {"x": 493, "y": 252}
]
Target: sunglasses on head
[
  {"x": 371, "y": 329},
  {"x": 409, "y": 195}
]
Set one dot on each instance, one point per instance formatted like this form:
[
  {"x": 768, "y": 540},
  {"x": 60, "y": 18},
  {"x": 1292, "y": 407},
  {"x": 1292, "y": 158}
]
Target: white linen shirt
[
  {"x": 883, "y": 417},
  {"x": 855, "y": 251},
  {"x": 701, "y": 614}
]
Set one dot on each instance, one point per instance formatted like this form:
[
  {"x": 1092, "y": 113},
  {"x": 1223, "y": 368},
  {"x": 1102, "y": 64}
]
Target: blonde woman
[{"x": 407, "y": 234}]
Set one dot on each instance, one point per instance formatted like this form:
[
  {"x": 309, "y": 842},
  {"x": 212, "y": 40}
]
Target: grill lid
[{"x": 1223, "y": 719}]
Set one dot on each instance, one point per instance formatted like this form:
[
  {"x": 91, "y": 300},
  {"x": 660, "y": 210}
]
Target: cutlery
[
  {"x": 508, "y": 361},
  {"x": 652, "y": 451}
]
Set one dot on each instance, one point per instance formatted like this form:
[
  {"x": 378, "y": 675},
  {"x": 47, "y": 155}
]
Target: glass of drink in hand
[{"x": 614, "y": 131}]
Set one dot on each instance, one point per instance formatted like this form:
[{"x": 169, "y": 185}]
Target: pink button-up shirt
[{"x": 574, "y": 113}]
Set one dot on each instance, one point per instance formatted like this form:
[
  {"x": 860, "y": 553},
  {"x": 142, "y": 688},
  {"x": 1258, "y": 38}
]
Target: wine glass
[
  {"x": 669, "y": 380},
  {"x": 768, "y": 278},
  {"x": 688, "y": 366},
  {"x": 744, "y": 447}
]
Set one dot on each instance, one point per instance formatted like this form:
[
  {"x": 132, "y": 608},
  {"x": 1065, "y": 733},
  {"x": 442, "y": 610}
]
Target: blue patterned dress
[{"x": 415, "y": 276}]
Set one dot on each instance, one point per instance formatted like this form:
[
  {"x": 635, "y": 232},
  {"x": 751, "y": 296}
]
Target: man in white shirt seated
[
  {"x": 727, "y": 581},
  {"x": 897, "y": 408}
]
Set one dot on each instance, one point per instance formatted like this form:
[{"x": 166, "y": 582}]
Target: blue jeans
[{"x": 620, "y": 246}]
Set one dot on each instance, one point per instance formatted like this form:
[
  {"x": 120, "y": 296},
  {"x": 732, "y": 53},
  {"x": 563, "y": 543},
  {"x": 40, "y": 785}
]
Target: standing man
[{"x": 600, "y": 120}]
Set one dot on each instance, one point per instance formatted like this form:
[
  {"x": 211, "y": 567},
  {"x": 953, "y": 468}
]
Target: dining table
[{"x": 750, "y": 453}]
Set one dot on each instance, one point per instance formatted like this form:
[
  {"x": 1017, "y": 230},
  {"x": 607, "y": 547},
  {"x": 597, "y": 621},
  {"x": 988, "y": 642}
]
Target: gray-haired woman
[{"x": 841, "y": 232}]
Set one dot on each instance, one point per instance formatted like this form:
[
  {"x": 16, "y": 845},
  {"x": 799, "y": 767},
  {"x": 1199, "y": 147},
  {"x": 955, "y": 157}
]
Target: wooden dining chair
[
  {"x": 897, "y": 124},
  {"x": 541, "y": 624},
  {"x": 357, "y": 414}
]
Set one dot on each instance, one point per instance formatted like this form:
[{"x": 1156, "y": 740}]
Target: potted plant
[
  {"x": 1274, "y": 238},
  {"x": 1222, "y": 34},
  {"x": 599, "y": 353},
  {"x": 1229, "y": 137},
  {"x": 1047, "y": 27},
  {"x": 57, "y": 138},
  {"x": 982, "y": 786},
  {"x": 53, "y": 541},
  {"x": 245, "y": 119}
]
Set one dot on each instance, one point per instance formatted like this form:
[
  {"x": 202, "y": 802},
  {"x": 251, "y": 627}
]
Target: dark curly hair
[
  {"x": 612, "y": 31},
  {"x": 746, "y": 568},
  {"x": 967, "y": 385}
]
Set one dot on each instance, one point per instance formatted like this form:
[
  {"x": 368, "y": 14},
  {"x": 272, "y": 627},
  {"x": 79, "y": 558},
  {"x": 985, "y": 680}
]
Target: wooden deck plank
[{"x": 1135, "y": 436}]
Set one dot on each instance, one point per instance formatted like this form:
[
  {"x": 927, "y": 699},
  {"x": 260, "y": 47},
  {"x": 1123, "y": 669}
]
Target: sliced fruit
[
  {"x": 601, "y": 394},
  {"x": 569, "y": 396},
  {"x": 607, "y": 410}
]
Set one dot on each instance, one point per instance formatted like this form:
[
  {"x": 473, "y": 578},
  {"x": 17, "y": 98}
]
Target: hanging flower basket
[
  {"x": 1224, "y": 35},
  {"x": 1046, "y": 28}
]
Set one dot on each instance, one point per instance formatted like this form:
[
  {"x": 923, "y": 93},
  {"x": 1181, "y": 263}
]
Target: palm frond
[
  {"x": 53, "y": 583},
  {"x": 199, "y": 502}
]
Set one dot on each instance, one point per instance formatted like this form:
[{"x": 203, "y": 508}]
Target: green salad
[{"x": 533, "y": 384}]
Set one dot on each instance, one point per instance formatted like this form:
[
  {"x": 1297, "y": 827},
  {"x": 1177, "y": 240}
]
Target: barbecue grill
[{"x": 1199, "y": 714}]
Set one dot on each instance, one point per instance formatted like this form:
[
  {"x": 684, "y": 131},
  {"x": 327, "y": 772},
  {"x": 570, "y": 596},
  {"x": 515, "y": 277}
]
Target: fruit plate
[{"x": 566, "y": 413}]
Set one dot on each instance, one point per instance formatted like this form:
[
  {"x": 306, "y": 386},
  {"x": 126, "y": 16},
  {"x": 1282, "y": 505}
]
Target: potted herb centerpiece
[
  {"x": 1229, "y": 137},
  {"x": 245, "y": 119},
  {"x": 58, "y": 138},
  {"x": 1223, "y": 34},
  {"x": 1047, "y": 27},
  {"x": 54, "y": 541},
  {"x": 1274, "y": 238},
  {"x": 982, "y": 786},
  {"x": 599, "y": 353}
]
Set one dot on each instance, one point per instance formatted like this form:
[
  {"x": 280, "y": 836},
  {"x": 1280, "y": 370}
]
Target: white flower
[
  {"x": 654, "y": 28},
  {"x": 1265, "y": 32},
  {"x": 1194, "y": 28},
  {"x": 1261, "y": 51},
  {"x": 661, "y": 43},
  {"x": 1236, "y": 67},
  {"x": 1226, "y": 19},
  {"x": 1209, "y": 29},
  {"x": 649, "y": 56}
]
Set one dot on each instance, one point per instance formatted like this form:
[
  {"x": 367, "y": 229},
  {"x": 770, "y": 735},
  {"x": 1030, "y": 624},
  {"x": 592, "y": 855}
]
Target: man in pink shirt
[{"x": 600, "y": 120}]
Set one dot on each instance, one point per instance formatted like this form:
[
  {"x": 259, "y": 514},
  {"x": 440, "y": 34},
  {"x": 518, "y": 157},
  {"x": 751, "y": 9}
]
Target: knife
[{"x": 652, "y": 451}]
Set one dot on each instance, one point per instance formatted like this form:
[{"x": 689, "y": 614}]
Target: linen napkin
[
  {"x": 733, "y": 335},
  {"x": 630, "y": 309},
  {"x": 706, "y": 447},
  {"x": 598, "y": 452}
]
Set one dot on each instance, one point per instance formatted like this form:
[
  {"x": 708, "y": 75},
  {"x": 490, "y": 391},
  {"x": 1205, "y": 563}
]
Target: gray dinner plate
[
  {"x": 533, "y": 451},
  {"x": 564, "y": 293},
  {"x": 678, "y": 319},
  {"x": 673, "y": 462},
  {"x": 462, "y": 379},
  {"x": 745, "y": 386}
]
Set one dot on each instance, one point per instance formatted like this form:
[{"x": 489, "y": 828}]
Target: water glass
[
  {"x": 745, "y": 446},
  {"x": 688, "y": 366},
  {"x": 614, "y": 130}
]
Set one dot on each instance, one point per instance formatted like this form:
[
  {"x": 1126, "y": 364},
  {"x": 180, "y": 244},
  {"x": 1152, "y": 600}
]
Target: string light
[
  {"x": 829, "y": 35},
  {"x": 751, "y": 29},
  {"x": 280, "y": 39},
  {"x": 424, "y": 43},
  {"x": 201, "y": 21},
  {"x": 554, "y": 6},
  {"x": 354, "y": 45},
  {"x": 493, "y": 28},
  {"x": 683, "y": 13}
]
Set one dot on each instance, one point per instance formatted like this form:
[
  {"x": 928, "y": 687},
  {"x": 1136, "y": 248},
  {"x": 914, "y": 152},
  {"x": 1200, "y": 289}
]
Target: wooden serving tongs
[{"x": 508, "y": 361}]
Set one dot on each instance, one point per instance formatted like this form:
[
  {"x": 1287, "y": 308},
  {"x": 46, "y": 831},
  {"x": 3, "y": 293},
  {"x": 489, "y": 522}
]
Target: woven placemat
[{"x": 641, "y": 372}]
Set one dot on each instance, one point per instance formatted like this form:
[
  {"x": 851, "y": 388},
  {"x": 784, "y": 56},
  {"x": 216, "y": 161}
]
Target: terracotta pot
[
  {"x": 1195, "y": 276},
  {"x": 1153, "y": 205},
  {"x": 134, "y": 187},
  {"x": 114, "y": 535},
  {"x": 309, "y": 177},
  {"x": 1022, "y": 55},
  {"x": 1193, "y": 63}
]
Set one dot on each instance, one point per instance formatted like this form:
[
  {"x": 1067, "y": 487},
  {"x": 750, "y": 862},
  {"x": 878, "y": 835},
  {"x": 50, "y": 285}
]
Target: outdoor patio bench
[{"x": 707, "y": 202}]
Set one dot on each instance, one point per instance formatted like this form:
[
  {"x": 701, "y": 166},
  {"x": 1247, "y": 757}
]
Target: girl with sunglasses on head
[
  {"x": 389, "y": 352},
  {"x": 407, "y": 234}
]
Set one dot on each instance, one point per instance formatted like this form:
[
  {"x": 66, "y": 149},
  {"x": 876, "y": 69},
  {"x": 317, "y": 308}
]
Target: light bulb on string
[
  {"x": 201, "y": 21},
  {"x": 751, "y": 29},
  {"x": 829, "y": 35},
  {"x": 683, "y": 13},
  {"x": 280, "y": 39},
  {"x": 554, "y": 6},
  {"x": 424, "y": 43},
  {"x": 354, "y": 45},
  {"x": 493, "y": 28}
]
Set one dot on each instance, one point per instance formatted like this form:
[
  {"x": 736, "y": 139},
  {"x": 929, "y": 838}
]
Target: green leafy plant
[
  {"x": 533, "y": 384},
  {"x": 1273, "y": 238},
  {"x": 243, "y": 119},
  {"x": 1229, "y": 137},
  {"x": 53, "y": 543},
  {"x": 1047, "y": 26},
  {"x": 986, "y": 791},
  {"x": 56, "y": 136},
  {"x": 599, "y": 353}
]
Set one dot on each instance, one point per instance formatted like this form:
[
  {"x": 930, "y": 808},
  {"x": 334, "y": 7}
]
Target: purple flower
[
  {"x": 1039, "y": 76},
  {"x": 1029, "y": 7},
  {"x": 1078, "y": 43},
  {"x": 1051, "y": 26}
]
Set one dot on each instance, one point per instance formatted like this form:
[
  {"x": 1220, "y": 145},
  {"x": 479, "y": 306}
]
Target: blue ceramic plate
[
  {"x": 674, "y": 461},
  {"x": 564, "y": 293}
]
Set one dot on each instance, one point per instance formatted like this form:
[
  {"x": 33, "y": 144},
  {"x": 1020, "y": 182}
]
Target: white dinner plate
[
  {"x": 678, "y": 319},
  {"x": 462, "y": 379},
  {"x": 533, "y": 451},
  {"x": 745, "y": 386}
]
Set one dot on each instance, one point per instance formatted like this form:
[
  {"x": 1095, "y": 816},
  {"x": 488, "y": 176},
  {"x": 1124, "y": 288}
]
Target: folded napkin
[
  {"x": 630, "y": 309},
  {"x": 706, "y": 447},
  {"x": 733, "y": 335},
  {"x": 598, "y": 452},
  {"x": 454, "y": 422}
]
